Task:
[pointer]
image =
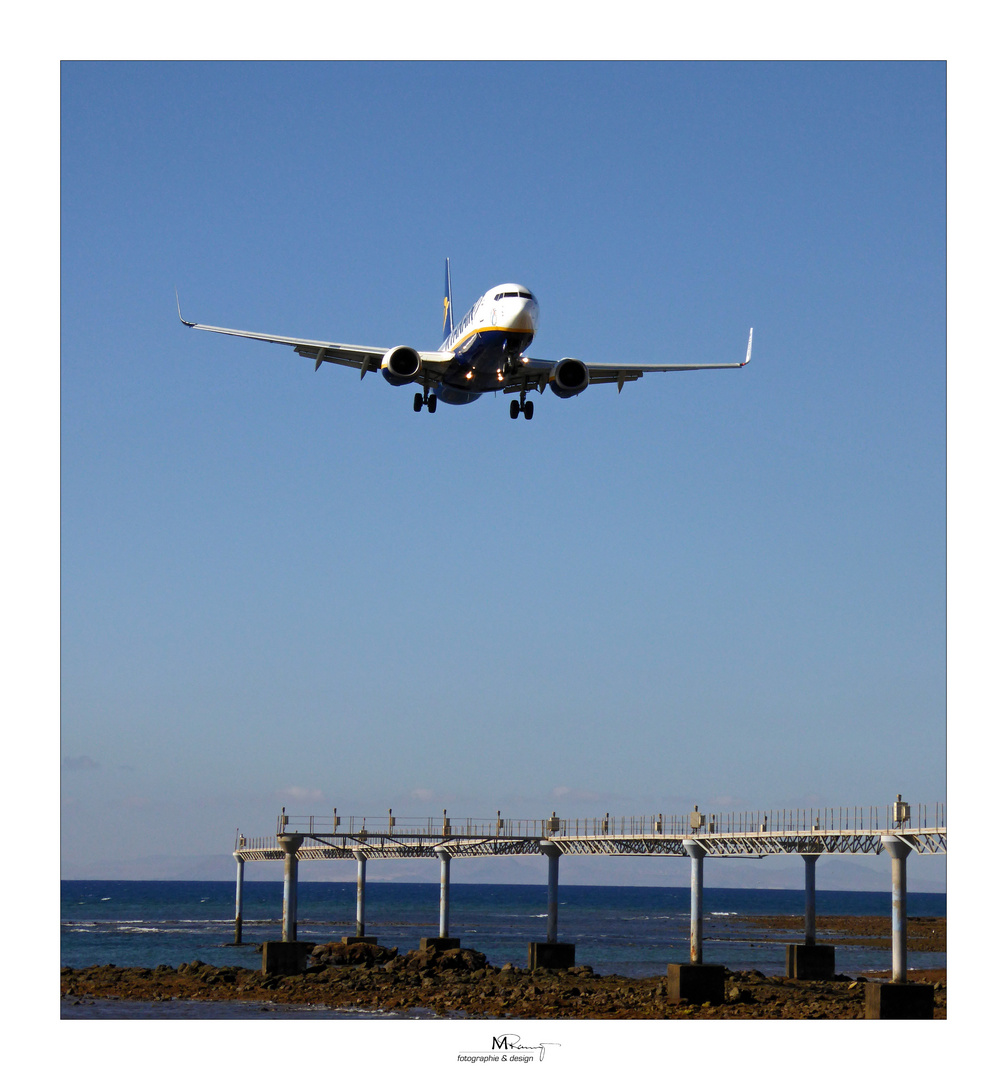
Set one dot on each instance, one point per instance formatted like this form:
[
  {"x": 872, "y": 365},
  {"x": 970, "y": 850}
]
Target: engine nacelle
[
  {"x": 401, "y": 365},
  {"x": 569, "y": 377}
]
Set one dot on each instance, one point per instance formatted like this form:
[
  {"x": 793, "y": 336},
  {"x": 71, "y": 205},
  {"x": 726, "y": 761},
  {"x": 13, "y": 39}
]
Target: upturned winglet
[
  {"x": 748, "y": 355},
  {"x": 184, "y": 321}
]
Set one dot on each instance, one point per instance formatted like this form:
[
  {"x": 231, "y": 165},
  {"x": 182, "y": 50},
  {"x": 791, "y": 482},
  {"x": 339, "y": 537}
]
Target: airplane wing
[
  {"x": 362, "y": 357},
  {"x": 535, "y": 373}
]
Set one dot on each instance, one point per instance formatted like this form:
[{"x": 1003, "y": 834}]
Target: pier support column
[
  {"x": 809, "y": 898},
  {"x": 442, "y": 941},
  {"x": 696, "y": 853},
  {"x": 289, "y": 846},
  {"x": 552, "y": 891},
  {"x": 287, "y": 956},
  {"x": 445, "y": 908},
  {"x": 551, "y": 953},
  {"x": 360, "y": 936},
  {"x": 237, "y": 898},
  {"x": 899, "y": 851},
  {"x": 361, "y": 885},
  {"x": 696, "y": 981},
  {"x": 810, "y": 961},
  {"x": 899, "y": 999}
]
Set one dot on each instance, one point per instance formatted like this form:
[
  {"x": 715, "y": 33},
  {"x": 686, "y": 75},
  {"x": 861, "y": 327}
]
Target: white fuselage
[{"x": 488, "y": 342}]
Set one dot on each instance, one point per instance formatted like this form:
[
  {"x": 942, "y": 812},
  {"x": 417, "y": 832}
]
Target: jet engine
[
  {"x": 569, "y": 377},
  {"x": 400, "y": 365}
]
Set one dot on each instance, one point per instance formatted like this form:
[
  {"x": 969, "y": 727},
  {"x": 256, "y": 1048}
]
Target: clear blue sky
[{"x": 286, "y": 588}]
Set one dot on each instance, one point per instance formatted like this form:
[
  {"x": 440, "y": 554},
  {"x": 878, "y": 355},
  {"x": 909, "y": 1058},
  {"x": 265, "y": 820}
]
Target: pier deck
[{"x": 847, "y": 830}]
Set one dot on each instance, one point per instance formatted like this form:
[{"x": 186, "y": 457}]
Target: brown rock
[{"x": 337, "y": 953}]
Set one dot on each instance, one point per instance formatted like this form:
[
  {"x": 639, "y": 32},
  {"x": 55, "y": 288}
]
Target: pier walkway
[{"x": 847, "y": 830}]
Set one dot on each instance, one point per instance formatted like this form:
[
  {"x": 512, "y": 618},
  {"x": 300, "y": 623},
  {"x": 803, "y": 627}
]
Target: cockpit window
[{"x": 522, "y": 293}]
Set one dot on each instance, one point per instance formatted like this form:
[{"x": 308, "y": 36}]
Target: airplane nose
[{"x": 525, "y": 315}]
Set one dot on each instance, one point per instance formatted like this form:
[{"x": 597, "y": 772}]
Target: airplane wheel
[
  {"x": 515, "y": 408},
  {"x": 417, "y": 403},
  {"x": 433, "y": 404},
  {"x": 529, "y": 409}
]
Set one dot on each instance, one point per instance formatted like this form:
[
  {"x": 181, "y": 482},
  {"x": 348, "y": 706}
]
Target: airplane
[{"x": 484, "y": 352}]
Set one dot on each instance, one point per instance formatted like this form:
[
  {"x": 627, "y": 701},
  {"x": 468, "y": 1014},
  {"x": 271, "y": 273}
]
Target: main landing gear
[
  {"x": 526, "y": 407},
  {"x": 426, "y": 398}
]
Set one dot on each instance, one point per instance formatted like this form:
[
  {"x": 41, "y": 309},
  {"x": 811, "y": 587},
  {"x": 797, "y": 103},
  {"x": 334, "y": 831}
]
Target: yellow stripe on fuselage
[{"x": 489, "y": 330}]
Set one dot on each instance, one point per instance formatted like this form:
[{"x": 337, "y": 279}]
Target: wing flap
[
  {"x": 618, "y": 375},
  {"x": 332, "y": 353},
  {"x": 538, "y": 379}
]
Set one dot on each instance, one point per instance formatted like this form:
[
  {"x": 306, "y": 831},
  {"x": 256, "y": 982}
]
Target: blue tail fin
[{"x": 449, "y": 319}]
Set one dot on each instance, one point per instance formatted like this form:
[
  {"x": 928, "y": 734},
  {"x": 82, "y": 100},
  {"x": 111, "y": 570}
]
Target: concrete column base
[
  {"x": 354, "y": 940},
  {"x": 550, "y": 954},
  {"x": 285, "y": 957},
  {"x": 440, "y": 943},
  {"x": 696, "y": 983},
  {"x": 899, "y": 1001},
  {"x": 811, "y": 961}
]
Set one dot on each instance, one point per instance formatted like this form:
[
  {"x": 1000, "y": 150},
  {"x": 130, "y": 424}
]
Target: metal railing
[{"x": 893, "y": 817}]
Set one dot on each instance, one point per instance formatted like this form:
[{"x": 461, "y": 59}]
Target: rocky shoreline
[
  {"x": 460, "y": 983},
  {"x": 924, "y": 933}
]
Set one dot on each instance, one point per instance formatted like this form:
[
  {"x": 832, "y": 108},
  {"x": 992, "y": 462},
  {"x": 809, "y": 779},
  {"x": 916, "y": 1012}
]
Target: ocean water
[{"x": 634, "y": 931}]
